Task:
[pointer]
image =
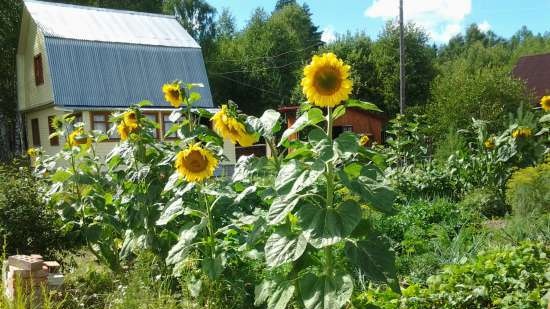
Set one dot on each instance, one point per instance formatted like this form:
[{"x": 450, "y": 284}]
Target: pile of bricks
[{"x": 30, "y": 275}]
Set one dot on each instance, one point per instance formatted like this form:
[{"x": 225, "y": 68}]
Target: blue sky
[{"x": 441, "y": 18}]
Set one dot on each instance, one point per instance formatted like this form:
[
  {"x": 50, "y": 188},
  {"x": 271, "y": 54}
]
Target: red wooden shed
[
  {"x": 535, "y": 71},
  {"x": 355, "y": 120}
]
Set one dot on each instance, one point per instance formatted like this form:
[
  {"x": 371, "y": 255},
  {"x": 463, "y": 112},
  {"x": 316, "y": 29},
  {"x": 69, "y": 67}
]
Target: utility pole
[{"x": 401, "y": 60}]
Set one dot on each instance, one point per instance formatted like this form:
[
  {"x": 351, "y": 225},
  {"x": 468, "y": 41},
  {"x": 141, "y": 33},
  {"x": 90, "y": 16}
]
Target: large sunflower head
[
  {"x": 195, "y": 163},
  {"x": 33, "y": 152},
  {"x": 79, "y": 138},
  {"x": 129, "y": 124},
  {"x": 522, "y": 132},
  {"x": 545, "y": 103},
  {"x": 227, "y": 125},
  {"x": 173, "y": 94},
  {"x": 326, "y": 80}
]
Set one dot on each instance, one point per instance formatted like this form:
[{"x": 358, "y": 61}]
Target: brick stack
[{"x": 30, "y": 274}]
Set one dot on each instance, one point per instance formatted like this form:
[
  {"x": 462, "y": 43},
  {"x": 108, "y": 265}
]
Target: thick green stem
[
  {"x": 274, "y": 152},
  {"x": 210, "y": 226},
  {"x": 330, "y": 193}
]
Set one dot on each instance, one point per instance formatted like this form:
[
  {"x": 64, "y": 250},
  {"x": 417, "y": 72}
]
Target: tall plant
[{"x": 319, "y": 199}]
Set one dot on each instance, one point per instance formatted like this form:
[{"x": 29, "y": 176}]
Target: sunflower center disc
[
  {"x": 175, "y": 94},
  {"x": 195, "y": 162},
  {"x": 327, "y": 81}
]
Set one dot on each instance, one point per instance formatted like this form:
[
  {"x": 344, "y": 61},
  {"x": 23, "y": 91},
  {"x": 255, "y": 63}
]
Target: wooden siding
[
  {"x": 31, "y": 95},
  {"x": 362, "y": 123}
]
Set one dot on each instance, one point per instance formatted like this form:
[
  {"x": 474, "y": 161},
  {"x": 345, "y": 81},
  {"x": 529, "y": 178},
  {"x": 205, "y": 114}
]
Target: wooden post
[{"x": 401, "y": 61}]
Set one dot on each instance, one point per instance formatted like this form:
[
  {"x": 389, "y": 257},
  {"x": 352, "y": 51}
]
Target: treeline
[{"x": 260, "y": 66}]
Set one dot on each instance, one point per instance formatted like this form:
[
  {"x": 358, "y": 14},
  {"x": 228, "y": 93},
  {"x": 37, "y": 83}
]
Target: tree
[
  {"x": 259, "y": 66},
  {"x": 197, "y": 17},
  {"x": 282, "y": 3},
  {"x": 226, "y": 26},
  {"x": 419, "y": 65}
]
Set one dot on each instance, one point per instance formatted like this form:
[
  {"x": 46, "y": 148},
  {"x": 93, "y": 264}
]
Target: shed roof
[
  {"x": 106, "y": 25},
  {"x": 535, "y": 71}
]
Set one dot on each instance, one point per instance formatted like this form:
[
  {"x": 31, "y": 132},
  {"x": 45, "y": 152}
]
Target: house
[
  {"x": 354, "y": 120},
  {"x": 92, "y": 62},
  {"x": 534, "y": 70}
]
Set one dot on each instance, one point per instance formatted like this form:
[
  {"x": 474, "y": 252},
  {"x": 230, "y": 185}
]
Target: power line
[
  {"x": 258, "y": 70},
  {"x": 251, "y": 86},
  {"x": 267, "y": 57}
]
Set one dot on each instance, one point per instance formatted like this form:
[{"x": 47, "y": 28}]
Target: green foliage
[
  {"x": 27, "y": 224},
  {"x": 419, "y": 65},
  {"x": 485, "y": 201},
  {"x": 528, "y": 190},
  {"x": 507, "y": 278}
]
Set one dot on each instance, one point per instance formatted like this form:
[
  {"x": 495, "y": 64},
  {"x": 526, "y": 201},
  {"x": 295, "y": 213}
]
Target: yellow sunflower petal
[
  {"x": 545, "y": 103},
  {"x": 325, "y": 82},
  {"x": 172, "y": 94},
  {"x": 195, "y": 163},
  {"x": 231, "y": 128}
]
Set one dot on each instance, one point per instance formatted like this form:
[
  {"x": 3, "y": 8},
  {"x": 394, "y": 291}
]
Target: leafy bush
[
  {"x": 485, "y": 201},
  {"x": 27, "y": 224},
  {"x": 528, "y": 190},
  {"x": 508, "y": 278}
]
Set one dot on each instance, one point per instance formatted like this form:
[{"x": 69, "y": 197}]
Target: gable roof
[
  {"x": 106, "y": 25},
  {"x": 102, "y": 58},
  {"x": 535, "y": 71}
]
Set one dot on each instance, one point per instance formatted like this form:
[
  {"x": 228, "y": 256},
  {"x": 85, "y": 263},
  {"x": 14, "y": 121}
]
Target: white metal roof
[{"x": 105, "y": 25}]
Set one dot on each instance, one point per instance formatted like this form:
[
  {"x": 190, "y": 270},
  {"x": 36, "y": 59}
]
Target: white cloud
[
  {"x": 441, "y": 18},
  {"x": 484, "y": 26},
  {"x": 328, "y": 34}
]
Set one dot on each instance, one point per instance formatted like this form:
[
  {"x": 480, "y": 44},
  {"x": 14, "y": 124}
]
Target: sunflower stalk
[{"x": 330, "y": 191}]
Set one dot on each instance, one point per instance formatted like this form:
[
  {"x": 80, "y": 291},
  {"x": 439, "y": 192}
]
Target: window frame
[
  {"x": 107, "y": 123},
  {"x": 38, "y": 70},
  {"x": 35, "y": 132},
  {"x": 164, "y": 127},
  {"x": 54, "y": 141},
  {"x": 156, "y": 114}
]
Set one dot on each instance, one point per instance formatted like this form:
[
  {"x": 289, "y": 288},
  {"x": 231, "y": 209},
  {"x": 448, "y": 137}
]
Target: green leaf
[
  {"x": 172, "y": 181},
  {"x": 92, "y": 232},
  {"x": 324, "y": 227},
  {"x": 180, "y": 250},
  {"x": 367, "y": 106},
  {"x": 281, "y": 295},
  {"x": 281, "y": 207},
  {"x": 213, "y": 266},
  {"x": 282, "y": 247},
  {"x": 288, "y": 173},
  {"x": 267, "y": 125},
  {"x": 324, "y": 292},
  {"x": 345, "y": 145},
  {"x": 313, "y": 116},
  {"x": 339, "y": 111},
  {"x": 545, "y": 118},
  {"x": 321, "y": 144},
  {"x": 371, "y": 192},
  {"x": 262, "y": 292},
  {"x": 173, "y": 209},
  {"x": 60, "y": 176},
  {"x": 375, "y": 260}
]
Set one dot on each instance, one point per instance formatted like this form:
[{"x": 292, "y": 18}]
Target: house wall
[
  {"x": 362, "y": 123},
  {"x": 103, "y": 148},
  {"x": 31, "y": 44},
  {"x": 42, "y": 116}
]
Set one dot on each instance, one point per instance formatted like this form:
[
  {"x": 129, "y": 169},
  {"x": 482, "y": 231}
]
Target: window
[
  {"x": 153, "y": 117},
  {"x": 100, "y": 122},
  {"x": 38, "y": 70},
  {"x": 166, "y": 125},
  {"x": 337, "y": 130},
  {"x": 54, "y": 141},
  {"x": 35, "y": 131}
]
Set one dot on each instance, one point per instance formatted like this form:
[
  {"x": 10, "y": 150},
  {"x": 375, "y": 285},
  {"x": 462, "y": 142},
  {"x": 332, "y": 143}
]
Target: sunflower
[
  {"x": 80, "y": 138},
  {"x": 195, "y": 163},
  {"x": 128, "y": 125},
  {"x": 231, "y": 128},
  {"x": 364, "y": 140},
  {"x": 545, "y": 103},
  {"x": 33, "y": 152},
  {"x": 326, "y": 80},
  {"x": 522, "y": 132},
  {"x": 489, "y": 143},
  {"x": 173, "y": 94}
]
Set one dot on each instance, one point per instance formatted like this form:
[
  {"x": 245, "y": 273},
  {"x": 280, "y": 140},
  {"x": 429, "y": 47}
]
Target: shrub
[
  {"x": 485, "y": 201},
  {"x": 512, "y": 277},
  {"x": 506, "y": 278},
  {"x": 528, "y": 190},
  {"x": 27, "y": 224}
]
